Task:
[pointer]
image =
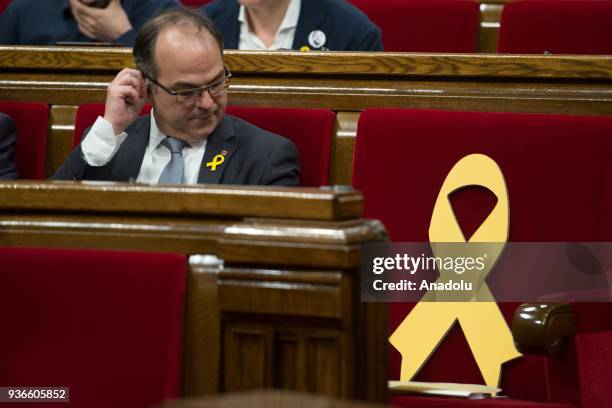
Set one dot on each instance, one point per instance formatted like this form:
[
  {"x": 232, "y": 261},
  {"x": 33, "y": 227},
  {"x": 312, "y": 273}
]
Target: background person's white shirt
[
  {"x": 284, "y": 36},
  {"x": 100, "y": 146}
]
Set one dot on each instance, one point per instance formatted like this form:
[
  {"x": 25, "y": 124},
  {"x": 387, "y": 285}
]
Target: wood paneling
[
  {"x": 289, "y": 362},
  {"x": 293, "y": 358},
  {"x": 59, "y": 142},
  {"x": 203, "y": 329},
  {"x": 322, "y": 364},
  {"x": 343, "y": 147},
  {"x": 247, "y": 350},
  {"x": 89, "y": 68},
  {"x": 282, "y": 292},
  {"x": 226, "y": 201},
  {"x": 488, "y": 32}
]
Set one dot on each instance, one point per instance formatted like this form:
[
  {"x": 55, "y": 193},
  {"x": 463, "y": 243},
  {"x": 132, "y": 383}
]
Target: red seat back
[
  {"x": 555, "y": 169},
  {"x": 86, "y": 116},
  {"x": 554, "y": 165},
  {"x": 93, "y": 321},
  {"x": 32, "y": 122},
  {"x": 558, "y": 27},
  {"x": 310, "y": 129},
  {"x": 424, "y": 25}
]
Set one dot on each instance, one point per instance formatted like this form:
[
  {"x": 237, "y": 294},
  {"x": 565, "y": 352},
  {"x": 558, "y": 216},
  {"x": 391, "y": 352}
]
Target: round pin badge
[{"x": 317, "y": 39}]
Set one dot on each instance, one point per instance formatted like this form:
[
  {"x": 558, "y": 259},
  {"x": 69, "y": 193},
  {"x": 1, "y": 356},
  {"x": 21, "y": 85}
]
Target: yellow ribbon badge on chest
[
  {"x": 216, "y": 161},
  {"x": 485, "y": 329}
]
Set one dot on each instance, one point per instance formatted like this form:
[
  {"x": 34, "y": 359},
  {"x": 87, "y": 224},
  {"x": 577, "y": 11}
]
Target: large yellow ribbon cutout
[{"x": 485, "y": 329}]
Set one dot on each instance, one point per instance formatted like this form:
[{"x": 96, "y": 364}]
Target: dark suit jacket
[
  {"x": 253, "y": 156},
  {"x": 8, "y": 137},
  {"x": 345, "y": 26}
]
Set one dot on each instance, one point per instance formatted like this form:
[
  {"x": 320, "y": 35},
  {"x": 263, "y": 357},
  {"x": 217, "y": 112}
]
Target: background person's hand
[
  {"x": 125, "y": 99},
  {"x": 105, "y": 24}
]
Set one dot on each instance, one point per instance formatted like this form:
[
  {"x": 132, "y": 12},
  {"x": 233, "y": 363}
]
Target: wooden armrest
[{"x": 539, "y": 328}]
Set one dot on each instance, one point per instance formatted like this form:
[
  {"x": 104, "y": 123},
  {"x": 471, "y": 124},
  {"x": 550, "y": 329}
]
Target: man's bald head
[{"x": 185, "y": 20}]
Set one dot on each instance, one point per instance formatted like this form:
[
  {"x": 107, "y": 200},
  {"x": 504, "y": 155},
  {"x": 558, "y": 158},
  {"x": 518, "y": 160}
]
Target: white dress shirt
[
  {"x": 284, "y": 36},
  {"x": 101, "y": 144}
]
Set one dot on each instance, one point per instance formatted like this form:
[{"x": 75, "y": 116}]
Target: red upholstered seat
[
  {"x": 310, "y": 129},
  {"x": 32, "y": 122},
  {"x": 424, "y": 25},
  {"x": 556, "y": 26},
  {"x": 107, "y": 324},
  {"x": 558, "y": 173}
]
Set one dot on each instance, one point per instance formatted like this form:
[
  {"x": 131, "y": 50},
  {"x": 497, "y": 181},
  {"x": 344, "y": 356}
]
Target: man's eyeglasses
[{"x": 192, "y": 95}]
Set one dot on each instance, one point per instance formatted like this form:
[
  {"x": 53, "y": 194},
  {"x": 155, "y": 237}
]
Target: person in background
[
  {"x": 8, "y": 137},
  {"x": 47, "y": 22},
  {"x": 318, "y": 25},
  {"x": 187, "y": 138}
]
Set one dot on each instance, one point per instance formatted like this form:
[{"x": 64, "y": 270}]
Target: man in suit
[
  {"x": 35, "y": 22},
  {"x": 318, "y": 25},
  {"x": 181, "y": 72},
  {"x": 8, "y": 137}
]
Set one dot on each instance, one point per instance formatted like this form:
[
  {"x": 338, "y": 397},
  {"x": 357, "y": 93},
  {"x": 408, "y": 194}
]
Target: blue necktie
[{"x": 174, "y": 171}]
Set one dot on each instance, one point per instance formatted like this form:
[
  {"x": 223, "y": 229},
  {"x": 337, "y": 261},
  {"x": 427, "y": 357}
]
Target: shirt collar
[
  {"x": 291, "y": 16},
  {"x": 155, "y": 135},
  {"x": 290, "y": 20}
]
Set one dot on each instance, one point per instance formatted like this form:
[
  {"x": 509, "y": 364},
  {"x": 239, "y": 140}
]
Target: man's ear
[
  {"x": 148, "y": 91},
  {"x": 148, "y": 95}
]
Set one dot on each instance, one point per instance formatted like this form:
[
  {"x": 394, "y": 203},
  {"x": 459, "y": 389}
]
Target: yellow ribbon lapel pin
[{"x": 218, "y": 160}]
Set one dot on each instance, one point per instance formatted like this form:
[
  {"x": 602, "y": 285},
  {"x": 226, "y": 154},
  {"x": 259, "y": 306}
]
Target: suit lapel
[
  {"x": 131, "y": 153},
  {"x": 232, "y": 35},
  {"x": 310, "y": 19},
  {"x": 220, "y": 146}
]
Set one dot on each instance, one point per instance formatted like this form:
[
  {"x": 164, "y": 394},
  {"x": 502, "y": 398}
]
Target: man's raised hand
[{"x": 125, "y": 99}]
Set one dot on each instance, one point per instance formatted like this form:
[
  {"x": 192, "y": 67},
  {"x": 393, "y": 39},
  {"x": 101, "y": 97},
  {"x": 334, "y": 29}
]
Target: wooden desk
[{"x": 276, "y": 301}]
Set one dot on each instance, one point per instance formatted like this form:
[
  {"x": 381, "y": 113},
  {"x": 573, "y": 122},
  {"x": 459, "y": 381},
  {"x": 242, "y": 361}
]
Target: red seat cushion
[
  {"x": 32, "y": 122},
  {"x": 424, "y": 25},
  {"x": 310, "y": 129},
  {"x": 107, "y": 324},
  {"x": 556, "y": 26},
  {"x": 594, "y": 362}
]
